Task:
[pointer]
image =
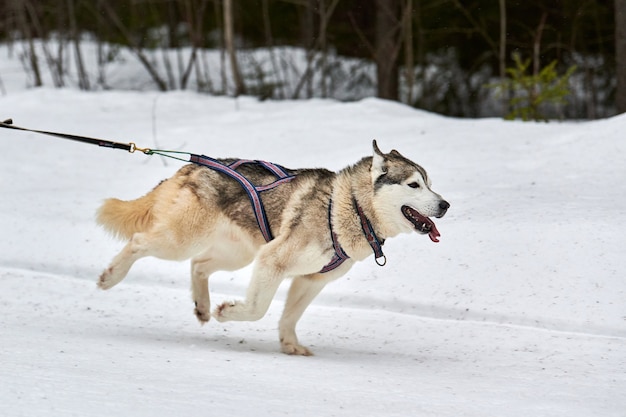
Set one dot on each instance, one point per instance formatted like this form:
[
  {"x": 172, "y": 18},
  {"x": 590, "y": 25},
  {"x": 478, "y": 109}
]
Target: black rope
[{"x": 130, "y": 147}]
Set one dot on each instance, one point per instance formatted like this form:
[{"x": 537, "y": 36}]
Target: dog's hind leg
[
  {"x": 229, "y": 255},
  {"x": 136, "y": 248},
  {"x": 200, "y": 271},
  {"x": 302, "y": 291},
  {"x": 154, "y": 243}
]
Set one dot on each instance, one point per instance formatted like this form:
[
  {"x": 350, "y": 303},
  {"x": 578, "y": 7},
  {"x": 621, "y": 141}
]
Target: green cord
[{"x": 167, "y": 154}]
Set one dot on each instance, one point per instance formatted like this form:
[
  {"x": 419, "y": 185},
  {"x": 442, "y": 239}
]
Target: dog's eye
[{"x": 414, "y": 185}]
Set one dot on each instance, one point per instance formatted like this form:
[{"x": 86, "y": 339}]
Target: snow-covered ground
[{"x": 520, "y": 310}]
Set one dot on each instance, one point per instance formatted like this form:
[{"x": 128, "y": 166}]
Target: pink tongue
[{"x": 434, "y": 233}]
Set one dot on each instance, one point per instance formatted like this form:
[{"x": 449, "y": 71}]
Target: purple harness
[
  {"x": 283, "y": 177},
  {"x": 340, "y": 256},
  {"x": 252, "y": 190}
]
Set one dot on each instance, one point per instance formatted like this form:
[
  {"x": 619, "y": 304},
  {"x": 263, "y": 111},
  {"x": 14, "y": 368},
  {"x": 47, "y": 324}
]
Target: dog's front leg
[
  {"x": 302, "y": 291},
  {"x": 271, "y": 266}
]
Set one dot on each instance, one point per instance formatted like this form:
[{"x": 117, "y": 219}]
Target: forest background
[{"x": 467, "y": 58}]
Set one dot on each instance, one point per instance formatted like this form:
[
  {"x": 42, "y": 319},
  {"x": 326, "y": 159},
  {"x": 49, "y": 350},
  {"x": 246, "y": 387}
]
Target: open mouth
[{"x": 421, "y": 223}]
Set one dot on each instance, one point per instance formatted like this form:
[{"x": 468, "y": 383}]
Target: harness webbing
[
  {"x": 252, "y": 190},
  {"x": 370, "y": 235},
  {"x": 340, "y": 256}
]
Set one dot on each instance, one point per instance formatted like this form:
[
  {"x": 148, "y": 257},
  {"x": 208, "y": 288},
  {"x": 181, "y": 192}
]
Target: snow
[{"x": 520, "y": 310}]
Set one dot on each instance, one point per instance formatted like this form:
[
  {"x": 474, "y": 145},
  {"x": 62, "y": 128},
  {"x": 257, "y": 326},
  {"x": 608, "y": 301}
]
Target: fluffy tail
[{"x": 125, "y": 218}]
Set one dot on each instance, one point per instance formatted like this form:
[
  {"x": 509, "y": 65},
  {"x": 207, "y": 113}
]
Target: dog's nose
[{"x": 444, "y": 205}]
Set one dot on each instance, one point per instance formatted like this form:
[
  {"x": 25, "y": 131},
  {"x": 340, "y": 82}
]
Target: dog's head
[{"x": 403, "y": 196}]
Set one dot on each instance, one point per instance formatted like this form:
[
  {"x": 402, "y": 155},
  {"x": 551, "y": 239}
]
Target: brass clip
[{"x": 134, "y": 147}]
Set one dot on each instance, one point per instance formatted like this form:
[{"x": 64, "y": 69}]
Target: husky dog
[{"x": 322, "y": 223}]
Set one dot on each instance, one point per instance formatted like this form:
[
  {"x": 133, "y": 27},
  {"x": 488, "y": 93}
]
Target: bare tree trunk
[
  {"x": 101, "y": 55},
  {"x": 25, "y": 28},
  {"x": 506, "y": 99},
  {"x": 11, "y": 25},
  {"x": 421, "y": 47},
  {"x": 229, "y": 40},
  {"x": 61, "y": 16},
  {"x": 35, "y": 23},
  {"x": 325, "y": 15},
  {"x": 589, "y": 94},
  {"x": 387, "y": 48},
  {"x": 308, "y": 36},
  {"x": 134, "y": 46},
  {"x": 167, "y": 42},
  {"x": 537, "y": 44},
  {"x": 195, "y": 35},
  {"x": 620, "y": 55},
  {"x": 320, "y": 44},
  {"x": 409, "y": 61},
  {"x": 174, "y": 37},
  {"x": 83, "y": 78},
  {"x": 219, "y": 18},
  {"x": 502, "y": 54},
  {"x": 533, "y": 94},
  {"x": 205, "y": 82},
  {"x": 267, "y": 26},
  {"x": 101, "y": 79}
]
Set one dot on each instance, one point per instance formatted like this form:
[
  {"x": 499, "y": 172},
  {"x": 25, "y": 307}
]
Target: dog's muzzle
[{"x": 423, "y": 224}]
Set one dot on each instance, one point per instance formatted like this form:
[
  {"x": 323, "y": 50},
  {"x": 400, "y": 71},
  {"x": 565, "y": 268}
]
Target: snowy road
[{"x": 69, "y": 349}]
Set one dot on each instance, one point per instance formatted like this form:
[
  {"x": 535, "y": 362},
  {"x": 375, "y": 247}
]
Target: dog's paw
[
  {"x": 225, "y": 311},
  {"x": 295, "y": 349},
  {"x": 203, "y": 314},
  {"x": 106, "y": 280}
]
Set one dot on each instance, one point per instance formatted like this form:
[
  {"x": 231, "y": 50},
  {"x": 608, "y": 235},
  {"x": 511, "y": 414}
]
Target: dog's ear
[{"x": 379, "y": 166}]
